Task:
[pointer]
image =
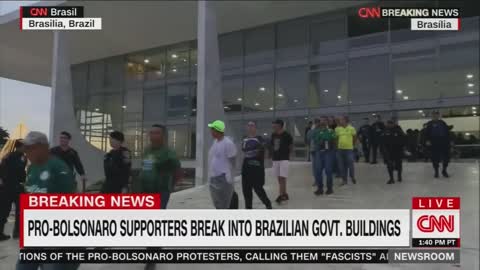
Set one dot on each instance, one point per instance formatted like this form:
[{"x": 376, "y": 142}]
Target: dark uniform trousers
[
  {"x": 440, "y": 152},
  {"x": 253, "y": 177},
  {"x": 9, "y": 196}
]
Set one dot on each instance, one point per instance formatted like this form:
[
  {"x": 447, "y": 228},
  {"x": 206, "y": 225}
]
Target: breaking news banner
[
  {"x": 421, "y": 19},
  {"x": 57, "y": 18},
  {"x": 436, "y": 222},
  {"x": 55, "y": 227}
]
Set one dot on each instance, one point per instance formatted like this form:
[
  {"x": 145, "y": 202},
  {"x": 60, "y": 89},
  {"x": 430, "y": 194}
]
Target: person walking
[
  {"x": 346, "y": 137},
  {"x": 377, "y": 129},
  {"x": 221, "y": 160},
  {"x": 364, "y": 134},
  {"x": 324, "y": 144},
  {"x": 253, "y": 168},
  {"x": 117, "y": 165},
  {"x": 69, "y": 155},
  {"x": 281, "y": 147},
  {"x": 12, "y": 173},
  {"x": 393, "y": 141},
  {"x": 437, "y": 136},
  {"x": 46, "y": 174}
]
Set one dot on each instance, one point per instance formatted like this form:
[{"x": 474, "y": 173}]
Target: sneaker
[
  {"x": 329, "y": 191},
  {"x": 318, "y": 192},
  {"x": 4, "y": 237},
  {"x": 269, "y": 206},
  {"x": 390, "y": 181},
  {"x": 354, "y": 181},
  {"x": 445, "y": 174}
]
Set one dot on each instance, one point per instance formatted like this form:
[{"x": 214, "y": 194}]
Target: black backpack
[{"x": 234, "y": 201}]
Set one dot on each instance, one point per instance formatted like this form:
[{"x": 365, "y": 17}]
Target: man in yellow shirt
[{"x": 346, "y": 137}]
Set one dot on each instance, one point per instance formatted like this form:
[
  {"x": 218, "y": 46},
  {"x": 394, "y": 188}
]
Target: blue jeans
[
  {"x": 346, "y": 160},
  {"x": 324, "y": 162},
  {"x": 164, "y": 198}
]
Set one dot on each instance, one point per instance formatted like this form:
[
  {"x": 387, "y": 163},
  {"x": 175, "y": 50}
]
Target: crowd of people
[{"x": 332, "y": 146}]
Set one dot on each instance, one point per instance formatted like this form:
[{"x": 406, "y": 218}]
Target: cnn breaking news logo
[
  {"x": 421, "y": 19},
  {"x": 57, "y": 18}
]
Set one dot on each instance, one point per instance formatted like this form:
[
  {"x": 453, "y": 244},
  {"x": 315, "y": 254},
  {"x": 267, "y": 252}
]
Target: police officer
[
  {"x": 437, "y": 135},
  {"x": 365, "y": 132},
  {"x": 13, "y": 175},
  {"x": 393, "y": 140},
  {"x": 117, "y": 165},
  {"x": 377, "y": 129}
]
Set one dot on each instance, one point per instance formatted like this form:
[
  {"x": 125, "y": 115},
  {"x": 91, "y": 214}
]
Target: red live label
[{"x": 436, "y": 203}]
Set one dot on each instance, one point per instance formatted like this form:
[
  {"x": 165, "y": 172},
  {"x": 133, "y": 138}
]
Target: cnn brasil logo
[{"x": 436, "y": 222}]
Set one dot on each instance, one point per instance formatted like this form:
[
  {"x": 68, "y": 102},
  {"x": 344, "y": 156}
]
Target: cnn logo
[{"x": 430, "y": 223}]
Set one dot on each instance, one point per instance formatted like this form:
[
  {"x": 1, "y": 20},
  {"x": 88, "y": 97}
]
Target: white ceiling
[{"x": 136, "y": 25}]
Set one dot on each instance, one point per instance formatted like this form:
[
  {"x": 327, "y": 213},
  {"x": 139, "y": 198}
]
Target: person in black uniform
[
  {"x": 253, "y": 168},
  {"x": 117, "y": 165},
  {"x": 377, "y": 129},
  {"x": 393, "y": 141},
  {"x": 12, "y": 172},
  {"x": 437, "y": 138},
  {"x": 69, "y": 155},
  {"x": 364, "y": 132}
]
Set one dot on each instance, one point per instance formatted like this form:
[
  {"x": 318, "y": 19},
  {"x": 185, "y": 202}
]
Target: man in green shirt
[
  {"x": 346, "y": 137},
  {"x": 160, "y": 167},
  {"x": 324, "y": 145},
  {"x": 46, "y": 174}
]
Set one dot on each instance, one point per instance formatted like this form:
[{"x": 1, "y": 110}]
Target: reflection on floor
[{"x": 370, "y": 192}]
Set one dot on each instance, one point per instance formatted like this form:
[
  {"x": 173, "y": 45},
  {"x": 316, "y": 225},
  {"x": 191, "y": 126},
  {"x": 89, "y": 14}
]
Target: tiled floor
[{"x": 370, "y": 192}]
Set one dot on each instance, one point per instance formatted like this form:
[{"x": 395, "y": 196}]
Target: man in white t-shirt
[{"x": 221, "y": 158}]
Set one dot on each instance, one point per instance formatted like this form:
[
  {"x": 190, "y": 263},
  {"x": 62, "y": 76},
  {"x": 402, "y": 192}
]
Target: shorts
[{"x": 280, "y": 168}]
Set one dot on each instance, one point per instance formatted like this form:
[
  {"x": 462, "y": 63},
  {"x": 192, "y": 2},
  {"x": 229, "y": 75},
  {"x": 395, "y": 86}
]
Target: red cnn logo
[
  {"x": 369, "y": 12},
  {"x": 428, "y": 223},
  {"x": 39, "y": 12}
]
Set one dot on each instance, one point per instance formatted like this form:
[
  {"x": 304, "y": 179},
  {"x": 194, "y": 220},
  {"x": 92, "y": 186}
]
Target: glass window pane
[
  {"x": 133, "y": 137},
  {"x": 291, "y": 88},
  {"x": 327, "y": 88},
  {"x": 259, "y": 46},
  {"x": 113, "y": 110},
  {"x": 458, "y": 70},
  {"x": 155, "y": 64},
  {"x": 178, "y": 105},
  {"x": 178, "y": 61},
  {"x": 370, "y": 80},
  {"x": 292, "y": 40},
  {"x": 258, "y": 95},
  {"x": 328, "y": 37},
  {"x": 179, "y": 140},
  {"x": 113, "y": 71},
  {"x": 96, "y": 77},
  {"x": 358, "y": 26},
  {"x": 232, "y": 94},
  {"x": 135, "y": 67},
  {"x": 414, "y": 79},
  {"x": 154, "y": 105},
  {"x": 231, "y": 50}
]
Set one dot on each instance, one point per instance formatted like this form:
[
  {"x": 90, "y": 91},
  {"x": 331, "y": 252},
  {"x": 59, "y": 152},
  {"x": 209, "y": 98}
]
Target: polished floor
[{"x": 370, "y": 192}]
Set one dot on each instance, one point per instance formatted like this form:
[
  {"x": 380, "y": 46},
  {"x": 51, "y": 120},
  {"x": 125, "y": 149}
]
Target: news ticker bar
[{"x": 318, "y": 256}]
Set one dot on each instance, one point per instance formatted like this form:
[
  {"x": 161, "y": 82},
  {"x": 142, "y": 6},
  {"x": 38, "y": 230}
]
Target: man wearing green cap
[{"x": 221, "y": 158}]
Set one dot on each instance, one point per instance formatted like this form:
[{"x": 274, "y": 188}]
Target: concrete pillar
[
  {"x": 62, "y": 116},
  {"x": 209, "y": 94}
]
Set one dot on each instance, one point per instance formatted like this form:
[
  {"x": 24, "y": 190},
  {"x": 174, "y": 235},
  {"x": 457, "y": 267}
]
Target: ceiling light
[
  {"x": 239, "y": 99},
  {"x": 265, "y": 134},
  {"x": 469, "y": 76},
  {"x": 174, "y": 70},
  {"x": 261, "y": 88},
  {"x": 184, "y": 60},
  {"x": 420, "y": 111},
  {"x": 374, "y": 114},
  {"x": 405, "y": 97},
  {"x": 226, "y": 107},
  {"x": 295, "y": 100},
  {"x": 280, "y": 95},
  {"x": 130, "y": 64},
  {"x": 159, "y": 73},
  {"x": 471, "y": 92},
  {"x": 339, "y": 97},
  {"x": 174, "y": 56},
  {"x": 470, "y": 85},
  {"x": 467, "y": 134},
  {"x": 124, "y": 106},
  {"x": 326, "y": 90},
  {"x": 257, "y": 104},
  {"x": 97, "y": 109},
  {"x": 271, "y": 108},
  {"x": 194, "y": 110},
  {"x": 350, "y": 102},
  {"x": 474, "y": 108},
  {"x": 306, "y": 118},
  {"x": 185, "y": 115},
  {"x": 195, "y": 64},
  {"x": 399, "y": 91},
  {"x": 146, "y": 61}
]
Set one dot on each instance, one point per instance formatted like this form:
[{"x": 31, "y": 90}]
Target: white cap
[{"x": 35, "y": 137}]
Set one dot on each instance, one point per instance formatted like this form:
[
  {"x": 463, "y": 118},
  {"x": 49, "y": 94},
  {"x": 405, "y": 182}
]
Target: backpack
[{"x": 234, "y": 201}]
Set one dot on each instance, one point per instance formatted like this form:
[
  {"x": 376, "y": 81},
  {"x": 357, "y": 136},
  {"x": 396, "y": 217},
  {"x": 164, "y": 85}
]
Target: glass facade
[{"x": 294, "y": 70}]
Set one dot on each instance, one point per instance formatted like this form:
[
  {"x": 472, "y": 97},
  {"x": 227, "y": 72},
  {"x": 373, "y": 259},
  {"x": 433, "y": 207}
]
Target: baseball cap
[
  {"x": 35, "y": 137},
  {"x": 217, "y": 125}
]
